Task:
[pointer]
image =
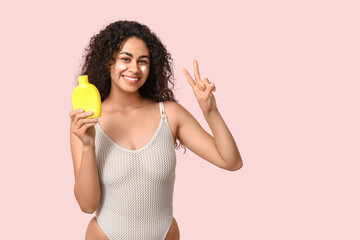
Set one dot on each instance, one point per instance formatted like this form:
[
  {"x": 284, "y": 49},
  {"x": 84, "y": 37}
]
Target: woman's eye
[{"x": 128, "y": 60}]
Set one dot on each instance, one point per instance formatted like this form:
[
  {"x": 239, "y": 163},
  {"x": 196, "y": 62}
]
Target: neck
[{"x": 119, "y": 100}]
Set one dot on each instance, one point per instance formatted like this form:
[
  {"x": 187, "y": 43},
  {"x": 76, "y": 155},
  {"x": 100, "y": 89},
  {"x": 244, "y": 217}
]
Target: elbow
[
  {"x": 236, "y": 167},
  {"x": 88, "y": 210},
  {"x": 86, "y": 206}
]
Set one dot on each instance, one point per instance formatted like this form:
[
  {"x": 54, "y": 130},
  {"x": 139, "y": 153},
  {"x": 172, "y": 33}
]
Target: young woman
[{"x": 124, "y": 161}]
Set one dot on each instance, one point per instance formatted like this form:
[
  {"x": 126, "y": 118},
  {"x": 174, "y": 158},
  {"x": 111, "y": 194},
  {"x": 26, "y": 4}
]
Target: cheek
[
  {"x": 143, "y": 68},
  {"x": 122, "y": 67}
]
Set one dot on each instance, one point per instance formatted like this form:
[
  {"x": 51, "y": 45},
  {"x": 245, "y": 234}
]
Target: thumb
[{"x": 209, "y": 89}]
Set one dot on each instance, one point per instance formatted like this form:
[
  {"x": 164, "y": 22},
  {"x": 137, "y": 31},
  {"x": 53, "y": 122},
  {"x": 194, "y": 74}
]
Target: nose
[{"x": 133, "y": 67}]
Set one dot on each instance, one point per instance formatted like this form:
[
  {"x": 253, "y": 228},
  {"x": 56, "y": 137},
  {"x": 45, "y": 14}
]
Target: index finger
[
  {"x": 189, "y": 78},
  {"x": 196, "y": 71},
  {"x": 74, "y": 112}
]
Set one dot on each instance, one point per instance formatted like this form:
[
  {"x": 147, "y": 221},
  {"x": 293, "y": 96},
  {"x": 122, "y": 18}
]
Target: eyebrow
[{"x": 129, "y": 54}]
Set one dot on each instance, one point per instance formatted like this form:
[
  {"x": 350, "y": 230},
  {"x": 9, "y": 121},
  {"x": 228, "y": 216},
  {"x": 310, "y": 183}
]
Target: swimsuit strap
[{"x": 162, "y": 111}]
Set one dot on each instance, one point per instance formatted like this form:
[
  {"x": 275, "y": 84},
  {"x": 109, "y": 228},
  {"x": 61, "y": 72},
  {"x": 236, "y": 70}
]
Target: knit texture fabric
[{"x": 136, "y": 185}]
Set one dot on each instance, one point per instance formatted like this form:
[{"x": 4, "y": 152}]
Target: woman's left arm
[{"x": 224, "y": 141}]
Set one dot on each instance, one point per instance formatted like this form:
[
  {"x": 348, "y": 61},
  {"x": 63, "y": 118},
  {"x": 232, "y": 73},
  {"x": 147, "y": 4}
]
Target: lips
[{"x": 131, "y": 79}]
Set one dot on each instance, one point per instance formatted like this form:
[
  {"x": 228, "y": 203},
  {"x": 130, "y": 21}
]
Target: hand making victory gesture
[{"x": 203, "y": 90}]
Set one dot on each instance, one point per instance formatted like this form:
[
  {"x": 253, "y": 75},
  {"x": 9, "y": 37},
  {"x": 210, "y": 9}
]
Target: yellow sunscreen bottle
[{"x": 86, "y": 96}]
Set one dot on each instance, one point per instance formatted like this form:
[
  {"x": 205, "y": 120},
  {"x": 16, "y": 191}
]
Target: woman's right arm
[{"x": 82, "y": 141}]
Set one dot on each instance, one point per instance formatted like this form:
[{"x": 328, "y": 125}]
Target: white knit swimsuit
[{"x": 136, "y": 185}]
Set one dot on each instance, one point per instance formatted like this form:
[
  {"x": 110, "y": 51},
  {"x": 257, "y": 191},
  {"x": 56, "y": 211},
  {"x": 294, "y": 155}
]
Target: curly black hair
[{"x": 100, "y": 54}]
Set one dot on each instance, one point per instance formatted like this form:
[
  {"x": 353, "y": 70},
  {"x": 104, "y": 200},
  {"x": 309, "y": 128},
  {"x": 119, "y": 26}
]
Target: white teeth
[{"x": 132, "y": 79}]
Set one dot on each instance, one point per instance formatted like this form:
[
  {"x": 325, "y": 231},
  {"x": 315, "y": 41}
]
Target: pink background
[{"x": 287, "y": 79}]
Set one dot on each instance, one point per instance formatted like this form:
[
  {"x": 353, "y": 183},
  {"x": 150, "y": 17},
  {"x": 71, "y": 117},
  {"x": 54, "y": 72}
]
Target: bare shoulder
[
  {"x": 177, "y": 115},
  {"x": 175, "y": 111},
  {"x": 174, "y": 107}
]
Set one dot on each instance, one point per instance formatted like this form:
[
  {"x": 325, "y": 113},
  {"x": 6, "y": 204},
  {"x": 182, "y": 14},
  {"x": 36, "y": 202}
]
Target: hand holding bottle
[{"x": 82, "y": 126}]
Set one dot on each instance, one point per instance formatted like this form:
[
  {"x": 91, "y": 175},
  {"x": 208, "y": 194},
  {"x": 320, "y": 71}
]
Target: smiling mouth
[{"x": 132, "y": 79}]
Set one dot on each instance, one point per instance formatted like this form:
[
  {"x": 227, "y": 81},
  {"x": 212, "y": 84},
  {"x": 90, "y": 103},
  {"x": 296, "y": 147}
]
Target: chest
[
  {"x": 146, "y": 155},
  {"x": 132, "y": 132}
]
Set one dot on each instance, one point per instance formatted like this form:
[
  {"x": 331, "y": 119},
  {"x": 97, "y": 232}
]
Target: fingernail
[{"x": 91, "y": 112}]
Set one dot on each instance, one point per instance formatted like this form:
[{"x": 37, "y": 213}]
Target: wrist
[
  {"x": 211, "y": 113},
  {"x": 88, "y": 146}
]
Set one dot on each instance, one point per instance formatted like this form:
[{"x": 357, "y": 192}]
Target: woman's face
[{"x": 132, "y": 65}]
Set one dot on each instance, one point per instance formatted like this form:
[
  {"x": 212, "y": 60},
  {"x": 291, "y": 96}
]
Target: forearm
[
  {"x": 87, "y": 186},
  {"x": 224, "y": 141}
]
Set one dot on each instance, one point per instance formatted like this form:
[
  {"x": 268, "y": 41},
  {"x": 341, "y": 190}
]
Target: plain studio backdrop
[{"x": 287, "y": 80}]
